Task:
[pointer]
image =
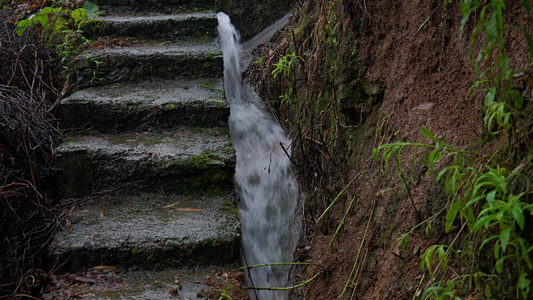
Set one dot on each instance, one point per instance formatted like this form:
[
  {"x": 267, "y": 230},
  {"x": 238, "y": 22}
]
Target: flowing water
[{"x": 267, "y": 190}]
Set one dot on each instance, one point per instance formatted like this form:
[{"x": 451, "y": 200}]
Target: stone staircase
[{"x": 149, "y": 176}]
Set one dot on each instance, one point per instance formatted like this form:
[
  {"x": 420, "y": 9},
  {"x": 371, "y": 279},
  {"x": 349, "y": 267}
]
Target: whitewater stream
[{"x": 266, "y": 188}]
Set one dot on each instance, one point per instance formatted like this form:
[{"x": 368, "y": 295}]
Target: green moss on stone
[
  {"x": 170, "y": 106},
  {"x": 93, "y": 28},
  {"x": 203, "y": 160},
  {"x": 56, "y": 30},
  {"x": 230, "y": 207}
]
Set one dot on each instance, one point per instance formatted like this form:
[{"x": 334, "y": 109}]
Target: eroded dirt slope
[{"x": 403, "y": 64}]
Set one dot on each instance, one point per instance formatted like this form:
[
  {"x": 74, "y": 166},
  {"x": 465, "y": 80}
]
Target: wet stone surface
[
  {"x": 172, "y": 283},
  {"x": 174, "y": 27},
  {"x": 151, "y": 149},
  {"x": 182, "y": 60},
  {"x": 150, "y": 230},
  {"x": 147, "y": 105},
  {"x": 144, "y": 7},
  {"x": 183, "y": 161}
]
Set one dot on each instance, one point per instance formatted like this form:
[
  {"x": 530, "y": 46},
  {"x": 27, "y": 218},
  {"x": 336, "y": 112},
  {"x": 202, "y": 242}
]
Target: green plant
[
  {"x": 259, "y": 61},
  {"x": 92, "y": 10},
  {"x": 67, "y": 39},
  {"x": 79, "y": 15},
  {"x": 41, "y": 17},
  {"x": 440, "y": 147},
  {"x": 67, "y": 48},
  {"x": 439, "y": 292},
  {"x": 354, "y": 268},
  {"x": 286, "y": 65},
  {"x": 331, "y": 26},
  {"x": 300, "y": 284},
  {"x": 492, "y": 66},
  {"x": 490, "y": 199},
  {"x": 88, "y": 11},
  {"x": 502, "y": 217},
  {"x": 404, "y": 238},
  {"x": 481, "y": 196},
  {"x": 94, "y": 68},
  {"x": 329, "y": 35},
  {"x": 224, "y": 296}
]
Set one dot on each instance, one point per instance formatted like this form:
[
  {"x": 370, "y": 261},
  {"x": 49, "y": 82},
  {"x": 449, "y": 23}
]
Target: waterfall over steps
[{"x": 266, "y": 187}]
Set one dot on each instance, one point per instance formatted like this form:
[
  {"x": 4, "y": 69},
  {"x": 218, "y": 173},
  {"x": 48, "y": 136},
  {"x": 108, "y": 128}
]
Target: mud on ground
[{"x": 414, "y": 52}]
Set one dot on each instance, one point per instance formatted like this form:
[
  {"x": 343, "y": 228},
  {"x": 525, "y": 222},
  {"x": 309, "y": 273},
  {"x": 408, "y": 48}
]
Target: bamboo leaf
[
  {"x": 452, "y": 214},
  {"x": 443, "y": 259},
  {"x": 527, "y": 6},
  {"x": 443, "y": 171},
  {"x": 427, "y": 133}
]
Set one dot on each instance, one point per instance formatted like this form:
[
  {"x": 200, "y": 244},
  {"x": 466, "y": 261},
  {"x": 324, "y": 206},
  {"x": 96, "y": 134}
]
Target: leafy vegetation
[
  {"x": 52, "y": 24},
  {"x": 486, "y": 193},
  {"x": 41, "y": 17}
]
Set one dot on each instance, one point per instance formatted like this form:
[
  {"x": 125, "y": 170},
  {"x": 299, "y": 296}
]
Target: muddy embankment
[{"x": 346, "y": 77}]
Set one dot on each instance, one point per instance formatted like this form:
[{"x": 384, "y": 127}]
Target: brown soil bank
[{"x": 349, "y": 76}]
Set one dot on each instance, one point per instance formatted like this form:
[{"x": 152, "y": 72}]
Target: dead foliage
[
  {"x": 30, "y": 89},
  {"x": 82, "y": 285},
  {"x": 225, "y": 285}
]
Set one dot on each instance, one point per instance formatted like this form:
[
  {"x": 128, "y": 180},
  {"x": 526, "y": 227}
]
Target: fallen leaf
[
  {"x": 173, "y": 291},
  {"x": 170, "y": 205},
  {"x": 84, "y": 279},
  {"x": 102, "y": 269},
  {"x": 190, "y": 209}
]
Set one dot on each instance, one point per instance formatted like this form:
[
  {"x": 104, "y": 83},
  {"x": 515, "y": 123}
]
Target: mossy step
[
  {"x": 155, "y": 6},
  {"x": 184, "y": 161},
  {"x": 147, "y": 105},
  {"x": 148, "y": 230},
  {"x": 181, "y": 60},
  {"x": 202, "y": 26}
]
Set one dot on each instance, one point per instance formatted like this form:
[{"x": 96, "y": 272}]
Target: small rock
[{"x": 425, "y": 106}]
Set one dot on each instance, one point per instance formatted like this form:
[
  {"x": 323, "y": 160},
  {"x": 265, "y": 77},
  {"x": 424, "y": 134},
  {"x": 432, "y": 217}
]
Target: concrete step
[
  {"x": 187, "y": 282},
  {"x": 147, "y": 106},
  {"x": 155, "y": 6},
  {"x": 182, "y": 60},
  {"x": 150, "y": 231},
  {"x": 184, "y": 161},
  {"x": 202, "y": 26}
]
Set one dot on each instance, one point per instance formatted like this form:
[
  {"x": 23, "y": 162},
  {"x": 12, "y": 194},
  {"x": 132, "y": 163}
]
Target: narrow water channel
[{"x": 266, "y": 188}]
